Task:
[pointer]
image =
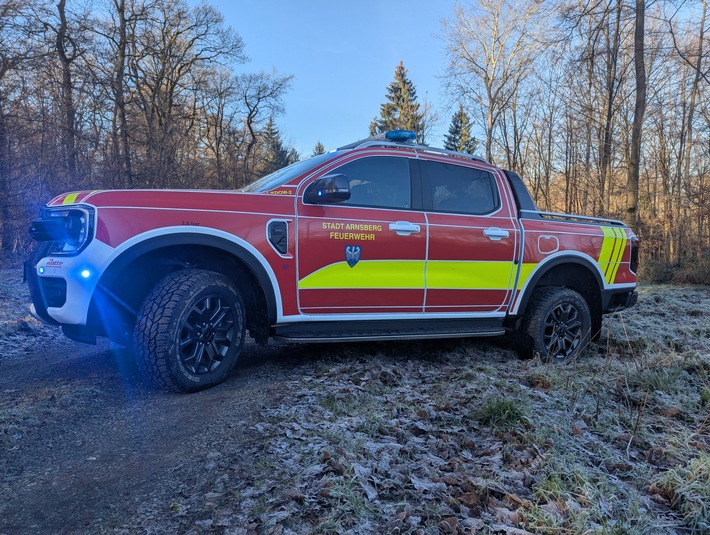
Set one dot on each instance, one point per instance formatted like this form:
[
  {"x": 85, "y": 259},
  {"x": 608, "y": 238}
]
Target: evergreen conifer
[
  {"x": 318, "y": 149},
  {"x": 401, "y": 111},
  {"x": 459, "y": 138},
  {"x": 276, "y": 155}
]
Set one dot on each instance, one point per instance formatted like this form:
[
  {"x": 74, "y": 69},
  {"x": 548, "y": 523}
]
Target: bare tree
[
  {"x": 632, "y": 183},
  {"x": 491, "y": 45},
  {"x": 262, "y": 97},
  {"x": 18, "y": 47},
  {"x": 175, "y": 45},
  {"x": 67, "y": 52},
  {"x": 119, "y": 33}
]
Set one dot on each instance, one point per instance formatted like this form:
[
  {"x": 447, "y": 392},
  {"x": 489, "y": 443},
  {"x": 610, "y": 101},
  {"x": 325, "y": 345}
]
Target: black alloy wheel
[
  {"x": 563, "y": 331},
  {"x": 206, "y": 335},
  {"x": 190, "y": 331},
  {"x": 556, "y": 326}
]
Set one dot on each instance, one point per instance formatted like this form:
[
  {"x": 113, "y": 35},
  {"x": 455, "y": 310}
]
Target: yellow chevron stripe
[
  {"x": 70, "y": 199},
  {"x": 612, "y": 259},
  {"x": 612, "y": 251},
  {"x": 607, "y": 245},
  {"x": 617, "y": 260}
]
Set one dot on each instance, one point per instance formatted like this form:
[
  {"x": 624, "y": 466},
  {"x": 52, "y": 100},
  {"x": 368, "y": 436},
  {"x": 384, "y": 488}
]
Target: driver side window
[{"x": 378, "y": 182}]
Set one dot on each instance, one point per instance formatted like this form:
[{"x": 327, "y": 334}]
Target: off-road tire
[
  {"x": 556, "y": 326},
  {"x": 190, "y": 331}
]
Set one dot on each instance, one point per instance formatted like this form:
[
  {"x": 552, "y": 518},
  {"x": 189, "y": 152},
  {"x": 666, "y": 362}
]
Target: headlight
[{"x": 68, "y": 229}]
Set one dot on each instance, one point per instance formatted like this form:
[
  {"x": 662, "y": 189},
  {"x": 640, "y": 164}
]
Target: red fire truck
[{"x": 382, "y": 239}]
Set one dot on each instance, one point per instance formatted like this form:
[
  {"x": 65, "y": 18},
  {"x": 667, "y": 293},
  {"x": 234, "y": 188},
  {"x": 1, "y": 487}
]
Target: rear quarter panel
[{"x": 605, "y": 249}]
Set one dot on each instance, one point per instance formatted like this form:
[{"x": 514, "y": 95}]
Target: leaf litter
[{"x": 462, "y": 437}]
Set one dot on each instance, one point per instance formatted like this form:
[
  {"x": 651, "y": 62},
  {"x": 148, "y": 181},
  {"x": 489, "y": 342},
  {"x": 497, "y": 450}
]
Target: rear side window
[
  {"x": 379, "y": 182},
  {"x": 463, "y": 190}
]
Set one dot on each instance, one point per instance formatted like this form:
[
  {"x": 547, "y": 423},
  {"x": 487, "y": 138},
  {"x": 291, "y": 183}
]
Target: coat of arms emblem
[{"x": 352, "y": 254}]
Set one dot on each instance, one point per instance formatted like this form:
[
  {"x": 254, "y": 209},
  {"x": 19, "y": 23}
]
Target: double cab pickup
[{"x": 382, "y": 239}]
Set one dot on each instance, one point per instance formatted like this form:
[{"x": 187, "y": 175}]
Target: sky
[{"x": 342, "y": 56}]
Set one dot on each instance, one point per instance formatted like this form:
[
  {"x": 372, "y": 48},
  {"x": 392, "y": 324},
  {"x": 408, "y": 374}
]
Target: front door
[{"x": 365, "y": 255}]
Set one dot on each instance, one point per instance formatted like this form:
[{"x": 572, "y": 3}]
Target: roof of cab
[{"x": 405, "y": 139}]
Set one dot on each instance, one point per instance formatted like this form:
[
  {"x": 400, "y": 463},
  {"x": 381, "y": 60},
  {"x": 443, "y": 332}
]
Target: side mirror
[{"x": 328, "y": 190}]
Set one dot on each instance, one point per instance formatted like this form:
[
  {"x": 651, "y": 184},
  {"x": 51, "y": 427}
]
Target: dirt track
[{"x": 88, "y": 448}]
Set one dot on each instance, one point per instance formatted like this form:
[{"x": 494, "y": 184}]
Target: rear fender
[{"x": 574, "y": 259}]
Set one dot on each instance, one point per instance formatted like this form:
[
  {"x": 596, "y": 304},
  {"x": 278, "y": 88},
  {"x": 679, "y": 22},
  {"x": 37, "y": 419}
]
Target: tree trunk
[
  {"x": 69, "y": 134},
  {"x": 632, "y": 183},
  {"x": 611, "y": 84},
  {"x": 6, "y": 238},
  {"x": 691, "y": 113},
  {"x": 120, "y": 134}
]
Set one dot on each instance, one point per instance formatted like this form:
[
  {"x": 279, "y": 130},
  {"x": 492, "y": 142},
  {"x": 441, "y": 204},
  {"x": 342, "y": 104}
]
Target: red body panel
[{"x": 345, "y": 260}]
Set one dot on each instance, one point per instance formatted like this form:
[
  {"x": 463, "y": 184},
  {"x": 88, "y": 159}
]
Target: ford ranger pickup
[{"x": 382, "y": 239}]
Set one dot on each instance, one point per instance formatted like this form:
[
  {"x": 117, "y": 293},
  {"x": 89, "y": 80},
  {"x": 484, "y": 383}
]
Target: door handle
[
  {"x": 495, "y": 233},
  {"x": 404, "y": 228}
]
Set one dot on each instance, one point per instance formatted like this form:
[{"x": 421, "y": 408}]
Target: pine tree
[
  {"x": 459, "y": 137},
  {"x": 318, "y": 149},
  {"x": 401, "y": 111},
  {"x": 293, "y": 156},
  {"x": 276, "y": 155}
]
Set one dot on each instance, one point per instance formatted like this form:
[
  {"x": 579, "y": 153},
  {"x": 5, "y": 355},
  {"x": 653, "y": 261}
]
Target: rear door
[
  {"x": 365, "y": 255},
  {"x": 473, "y": 239}
]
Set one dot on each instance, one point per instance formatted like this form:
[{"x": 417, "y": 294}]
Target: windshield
[{"x": 277, "y": 178}]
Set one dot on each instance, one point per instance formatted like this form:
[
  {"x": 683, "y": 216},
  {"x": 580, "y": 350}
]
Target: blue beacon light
[{"x": 400, "y": 135}]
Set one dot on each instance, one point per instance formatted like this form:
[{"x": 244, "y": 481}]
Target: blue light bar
[{"x": 401, "y": 135}]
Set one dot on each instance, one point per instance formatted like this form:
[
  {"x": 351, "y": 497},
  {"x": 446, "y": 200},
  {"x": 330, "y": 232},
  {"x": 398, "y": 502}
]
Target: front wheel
[
  {"x": 556, "y": 326},
  {"x": 190, "y": 331}
]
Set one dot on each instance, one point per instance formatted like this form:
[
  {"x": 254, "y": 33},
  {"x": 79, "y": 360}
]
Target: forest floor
[{"x": 436, "y": 437}]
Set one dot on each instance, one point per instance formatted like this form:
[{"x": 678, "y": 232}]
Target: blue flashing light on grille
[{"x": 400, "y": 135}]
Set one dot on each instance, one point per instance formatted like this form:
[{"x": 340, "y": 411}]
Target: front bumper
[
  {"x": 39, "y": 305},
  {"x": 61, "y": 287}
]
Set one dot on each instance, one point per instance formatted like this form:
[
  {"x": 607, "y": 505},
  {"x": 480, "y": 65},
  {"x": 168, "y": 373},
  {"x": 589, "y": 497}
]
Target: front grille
[
  {"x": 54, "y": 290},
  {"x": 33, "y": 282}
]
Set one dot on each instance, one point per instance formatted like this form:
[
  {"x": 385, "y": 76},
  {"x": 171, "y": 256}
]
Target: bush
[{"x": 694, "y": 270}]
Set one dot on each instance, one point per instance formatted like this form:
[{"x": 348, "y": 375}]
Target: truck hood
[{"x": 228, "y": 200}]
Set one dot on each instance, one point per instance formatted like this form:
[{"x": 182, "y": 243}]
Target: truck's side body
[{"x": 405, "y": 265}]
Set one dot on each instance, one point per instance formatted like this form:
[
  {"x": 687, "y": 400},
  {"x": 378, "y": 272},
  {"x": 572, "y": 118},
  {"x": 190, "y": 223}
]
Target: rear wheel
[
  {"x": 556, "y": 326},
  {"x": 190, "y": 331}
]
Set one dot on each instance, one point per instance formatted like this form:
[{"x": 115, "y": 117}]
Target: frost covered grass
[
  {"x": 457, "y": 436},
  {"x": 454, "y": 437}
]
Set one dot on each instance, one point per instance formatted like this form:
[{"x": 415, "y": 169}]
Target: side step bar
[{"x": 360, "y": 331}]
